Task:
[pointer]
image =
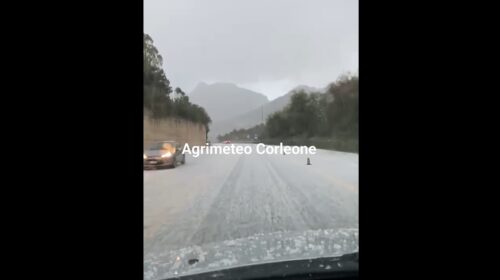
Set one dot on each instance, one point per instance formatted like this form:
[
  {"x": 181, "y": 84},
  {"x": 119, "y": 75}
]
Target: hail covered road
[{"x": 214, "y": 198}]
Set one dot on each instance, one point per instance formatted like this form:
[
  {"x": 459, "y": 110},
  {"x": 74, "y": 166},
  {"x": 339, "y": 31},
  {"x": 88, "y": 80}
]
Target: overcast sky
[{"x": 269, "y": 46}]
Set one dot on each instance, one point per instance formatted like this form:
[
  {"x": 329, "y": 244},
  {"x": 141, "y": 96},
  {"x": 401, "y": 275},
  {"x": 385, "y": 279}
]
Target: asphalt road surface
[{"x": 215, "y": 198}]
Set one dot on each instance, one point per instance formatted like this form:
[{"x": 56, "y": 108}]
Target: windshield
[
  {"x": 161, "y": 146},
  {"x": 262, "y": 99}
]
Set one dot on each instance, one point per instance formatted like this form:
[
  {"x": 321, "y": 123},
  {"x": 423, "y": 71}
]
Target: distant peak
[
  {"x": 226, "y": 84},
  {"x": 216, "y": 84},
  {"x": 199, "y": 86}
]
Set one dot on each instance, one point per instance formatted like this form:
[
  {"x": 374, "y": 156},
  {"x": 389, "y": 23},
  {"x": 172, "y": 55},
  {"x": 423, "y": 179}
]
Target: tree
[
  {"x": 342, "y": 113},
  {"x": 157, "y": 91},
  {"x": 334, "y": 113},
  {"x": 179, "y": 92},
  {"x": 156, "y": 85}
]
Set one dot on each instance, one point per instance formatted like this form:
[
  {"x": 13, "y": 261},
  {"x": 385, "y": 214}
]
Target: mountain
[
  {"x": 257, "y": 115},
  {"x": 225, "y": 101}
]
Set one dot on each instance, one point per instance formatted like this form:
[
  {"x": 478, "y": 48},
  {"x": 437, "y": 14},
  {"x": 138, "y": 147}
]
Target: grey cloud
[{"x": 268, "y": 46}]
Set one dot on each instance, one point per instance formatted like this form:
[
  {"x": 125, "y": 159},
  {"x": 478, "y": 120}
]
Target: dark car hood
[{"x": 261, "y": 248}]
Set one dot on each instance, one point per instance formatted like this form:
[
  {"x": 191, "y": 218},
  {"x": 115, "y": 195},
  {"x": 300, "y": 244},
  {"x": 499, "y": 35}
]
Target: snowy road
[{"x": 215, "y": 198}]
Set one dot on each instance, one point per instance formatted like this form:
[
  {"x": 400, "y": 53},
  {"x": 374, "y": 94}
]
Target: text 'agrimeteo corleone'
[{"x": 260, "y": 149}]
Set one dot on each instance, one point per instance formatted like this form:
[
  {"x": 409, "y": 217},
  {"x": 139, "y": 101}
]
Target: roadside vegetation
[
  {"x": 244, "y": 135},
  {"x": 160, "y": 101},
  {"x": 326, "y": 120}
]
